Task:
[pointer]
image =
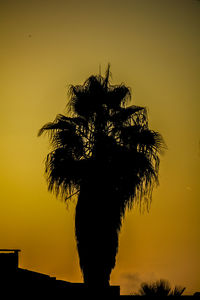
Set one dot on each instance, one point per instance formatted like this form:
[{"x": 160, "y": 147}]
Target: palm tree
[
  {"x": 160, "y": 288},
  {"x": 104, "y": 153}
]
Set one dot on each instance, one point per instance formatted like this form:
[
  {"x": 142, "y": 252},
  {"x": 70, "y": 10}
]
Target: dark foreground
[{"x": 19, "y": 283}]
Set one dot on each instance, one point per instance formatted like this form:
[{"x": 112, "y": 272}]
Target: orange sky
[{"x": 153, "y": 46}]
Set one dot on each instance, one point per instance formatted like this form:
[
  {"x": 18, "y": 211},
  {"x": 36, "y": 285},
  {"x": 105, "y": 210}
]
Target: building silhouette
[{"x": 16, "y": 281}]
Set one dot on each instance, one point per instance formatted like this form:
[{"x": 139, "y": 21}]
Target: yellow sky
[{"x": 153, "y": 46}]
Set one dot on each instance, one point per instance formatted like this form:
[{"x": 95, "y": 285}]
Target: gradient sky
[{"x": 153, "y": 47}]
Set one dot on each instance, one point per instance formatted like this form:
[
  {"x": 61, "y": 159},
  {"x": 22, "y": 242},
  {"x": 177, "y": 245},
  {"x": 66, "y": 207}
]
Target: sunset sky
[{"x": 154, "y": 48}]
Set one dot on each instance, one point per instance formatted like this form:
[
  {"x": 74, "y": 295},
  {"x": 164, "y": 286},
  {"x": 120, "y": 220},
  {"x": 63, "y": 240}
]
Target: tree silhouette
[
  {"x": 160, "y": 288},
  {"x": 104, "y": 153}
]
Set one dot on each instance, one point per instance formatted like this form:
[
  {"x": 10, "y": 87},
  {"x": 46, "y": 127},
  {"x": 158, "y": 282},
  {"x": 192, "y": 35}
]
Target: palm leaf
[
  {"x": 56, "y": 125},
  {"x": 117, "y": 95},
  {"x": 64, "y": 173},
  {"x": 123, "y": 114}
]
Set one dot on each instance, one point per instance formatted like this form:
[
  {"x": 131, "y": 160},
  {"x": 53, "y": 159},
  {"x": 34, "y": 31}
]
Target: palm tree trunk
[{"x": 97, "y": 224}]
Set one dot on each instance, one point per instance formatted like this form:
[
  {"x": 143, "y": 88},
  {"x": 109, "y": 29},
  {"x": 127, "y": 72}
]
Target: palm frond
[
  {"x": 177, "y": 291},
  {"x": 117, "y": 96},
  {"x": 142, "y": 138},
  {"x": 56, "y": 125},
  {"x": 64, "y": 173},
  {"x": 63, "y": 134},
  {"x": 158, "y": 288},
  {"x": 123, "y": 114},
  {"x": 106, "y": 79}
]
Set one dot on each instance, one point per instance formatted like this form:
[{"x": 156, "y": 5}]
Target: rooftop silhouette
[{"x": 18, "y": 281}]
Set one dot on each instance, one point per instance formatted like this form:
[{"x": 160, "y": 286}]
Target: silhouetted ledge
[{"x": 18, "y": 281}]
